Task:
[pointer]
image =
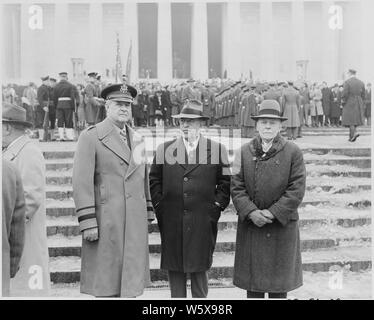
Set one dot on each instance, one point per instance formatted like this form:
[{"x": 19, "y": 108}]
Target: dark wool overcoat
[
  {"x": 353, "y": 97},
  {"x": 184, "y": 197},
  {"x": 268, "y": 259}
]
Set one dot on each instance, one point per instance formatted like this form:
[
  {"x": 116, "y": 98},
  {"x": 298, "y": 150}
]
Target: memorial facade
[{"x": 166, "y": 40}]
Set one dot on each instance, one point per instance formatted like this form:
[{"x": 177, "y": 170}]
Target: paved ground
[{"x": 322, "y": 285}]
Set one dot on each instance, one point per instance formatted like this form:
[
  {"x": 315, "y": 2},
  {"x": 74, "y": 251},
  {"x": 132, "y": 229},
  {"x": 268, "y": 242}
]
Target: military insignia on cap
[{"x": 124, "y": 90}]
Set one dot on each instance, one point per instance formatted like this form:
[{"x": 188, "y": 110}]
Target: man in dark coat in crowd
[
  {"x": 13, "y": 223},
  {"x": 267, "y": 186},
  {"x": 353, "y": 98},
  {"x": 326, "y": 103},
  {"x": 368, "y": 104},
  {"x": 189, "y": 182},
  {"x": 336, "y": 101},
  {"x": 43, "y": 96}
]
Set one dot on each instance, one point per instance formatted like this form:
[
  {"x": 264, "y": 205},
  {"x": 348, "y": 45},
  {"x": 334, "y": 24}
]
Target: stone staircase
[{"x": 335, "y": 216}]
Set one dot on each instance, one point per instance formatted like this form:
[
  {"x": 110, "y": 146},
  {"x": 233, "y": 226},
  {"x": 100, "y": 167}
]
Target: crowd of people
[
  {"x": 188, "y": 185},
  {"x": 227, "y": 103}
]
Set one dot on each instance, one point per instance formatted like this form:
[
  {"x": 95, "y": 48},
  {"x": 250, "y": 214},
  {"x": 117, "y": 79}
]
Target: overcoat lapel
[
  {"x": 137, "y": 151},
  {"x": 112, "y": 140},
  {"x": 15, "y": 149}
]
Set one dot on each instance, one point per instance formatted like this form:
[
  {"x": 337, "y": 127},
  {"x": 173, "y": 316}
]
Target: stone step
[
  {"x": 59, "y": 208},
  {"x": 312, "y": 237},
  {"x": 65, "y": 177},
  {"x": 62, "y": 191},
  {"x": 356, "y": 285},
  {"x": 360, "y": 162},
  {"x": 68, "y": 225},
  {"x": 352, "y": 152},
  {"x": 67, "y": 269}
]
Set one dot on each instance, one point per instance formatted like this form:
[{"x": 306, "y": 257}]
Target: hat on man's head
[
  {"x": 352, "y": 71},
  {"x": 190, "y": 80},
  {"x": 192, "y": 109},
  {"x": 269, "y": 109},
  {"x": 63, "y": 74},
  {"x": 119, "y": 92},
  {"x": 45, "y": 78},
  {"x": 53, "y": 79},
  {"x": 92, "y": 74},
  {"x": 15, "y": 114}
]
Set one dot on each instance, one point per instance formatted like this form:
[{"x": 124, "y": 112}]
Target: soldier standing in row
[
  {"x": 65, "y": 97},
  {"x": 42, "y": 109},
  {"x": 92, "y": 105}
]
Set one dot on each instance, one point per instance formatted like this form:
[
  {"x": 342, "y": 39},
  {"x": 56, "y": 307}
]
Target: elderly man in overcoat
[
  {"x": 267, "y": 188},
  {"x": 33, "y": 277},
  {"x": 190, "y": 181},
  {"x": 112, "y": 200},
  {"x": 13, "y": 223},
  {"x": 353, "y": 104}
]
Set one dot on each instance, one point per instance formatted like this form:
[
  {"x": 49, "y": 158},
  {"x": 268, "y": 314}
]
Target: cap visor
[
  {"x": 268, "y": 117},
  {"x": 190, "y": 116}
]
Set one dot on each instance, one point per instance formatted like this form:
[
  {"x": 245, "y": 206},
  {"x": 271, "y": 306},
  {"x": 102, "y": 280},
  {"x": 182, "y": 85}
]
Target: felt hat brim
[{"x": 268, "y": 116}]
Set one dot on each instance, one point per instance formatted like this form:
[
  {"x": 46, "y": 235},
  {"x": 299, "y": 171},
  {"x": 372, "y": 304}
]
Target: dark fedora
[
  {"x": 92, "y": 74},
  {"x": 119, "y": 92},
  {"x": 15, "y": 114},
  {"x": 269, "y": 109},
  {"x": 192, "y": 109}
]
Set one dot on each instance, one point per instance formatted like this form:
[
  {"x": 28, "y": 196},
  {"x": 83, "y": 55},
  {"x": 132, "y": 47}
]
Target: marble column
[
  {"x": 61, "y": 40},
  {"x": 298, "y": 29},
  {"x": 130, "y": 37},
  {"x": 266, "y": 43},
  {"x": 164, "y": 43},
  {"x": 199, "y": 41},
  {"x": 231, "y": 40},
  {"x": 367, "y": 25},
  {"x": 329, "y": 47},
  {"x": 95, "y": 59},
  {"x": 27, "y": 46}
]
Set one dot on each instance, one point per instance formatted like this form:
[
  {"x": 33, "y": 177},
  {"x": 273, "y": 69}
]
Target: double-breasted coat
[
  {"x": 13, "y": 223},
  {"x": 184, "y": 197},
  {"x": 111, "y": 192},
  {"x": 268, "y": 259},
  {"x": 30, "y": 162},
  {"x": 353, "y": 107},
  {"x": 291, "y": 106}
]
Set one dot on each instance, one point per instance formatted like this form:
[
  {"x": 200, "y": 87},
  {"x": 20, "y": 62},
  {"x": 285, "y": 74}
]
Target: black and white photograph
[{"x": 187, "y": 149}]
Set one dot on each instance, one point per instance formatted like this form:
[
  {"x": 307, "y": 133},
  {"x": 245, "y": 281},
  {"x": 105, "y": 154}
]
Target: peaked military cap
[
  {"x": 44, "y": 78},
  {"x": 119, "y": 92},
  {"x": 63, "y": 73},
  {"x": 92, "y": 74}
]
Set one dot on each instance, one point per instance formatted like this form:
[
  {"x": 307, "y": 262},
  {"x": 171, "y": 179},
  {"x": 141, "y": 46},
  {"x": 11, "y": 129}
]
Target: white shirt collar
[{"x": 191, "y": 146}]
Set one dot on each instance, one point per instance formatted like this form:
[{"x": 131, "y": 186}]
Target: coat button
[
  {"x": 185, "y": 195},
  {"x": 268, "y": 235},
  {"x": 128, "y": 196},
  {"x": 122, "y": 163},
  {"x": 185, "y": 211},
  {"x": 185, "y": 179}
]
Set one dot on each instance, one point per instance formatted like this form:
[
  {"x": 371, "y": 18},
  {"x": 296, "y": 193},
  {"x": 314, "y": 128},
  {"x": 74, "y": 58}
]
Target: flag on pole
[
  {"x": 118, "y": 72},
  {"x": 128, "y": 64}
]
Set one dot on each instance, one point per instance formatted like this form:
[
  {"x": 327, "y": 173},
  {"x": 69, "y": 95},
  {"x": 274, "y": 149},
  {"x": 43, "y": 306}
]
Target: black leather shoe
[{"x": 355, "y": 137}]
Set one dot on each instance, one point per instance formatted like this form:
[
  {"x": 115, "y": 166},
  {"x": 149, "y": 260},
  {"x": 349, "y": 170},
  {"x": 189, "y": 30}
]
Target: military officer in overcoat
[
  {"x": 43, "y": 96},
  {"x": 112, "y": 200},
  {"x": 189, "y": 181}
]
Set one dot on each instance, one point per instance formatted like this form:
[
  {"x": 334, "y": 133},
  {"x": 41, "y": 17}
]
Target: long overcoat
[
  {"x": 335, "y": 111},
  {"x": 92, "y": 105},
  {"x": 13, "y": 223},
  {"x": 268, "y": 259},
  {"x": 111, "y": 192},
  {"x": 316, "y": 102},
  {"x": 30, "y": 162},
  {"x": 353, "y": 97},
  {"x": 326, "y": 101},
  {"x": 291, "y": 106},
  {"x": 184, "y": 197}
]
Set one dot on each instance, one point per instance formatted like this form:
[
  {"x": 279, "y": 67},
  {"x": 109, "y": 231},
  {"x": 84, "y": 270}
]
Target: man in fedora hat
[
  {"x": 189, "y": 181},
  {"x": 353, "y": 104},
  {"x": 33, "y": 277},
  {"x": 112, "y": 201},
  {"x": 266, "y": 190}
]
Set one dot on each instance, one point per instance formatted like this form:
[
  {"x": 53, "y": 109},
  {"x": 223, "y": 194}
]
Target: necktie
[{"x": 124, "y": 139}]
